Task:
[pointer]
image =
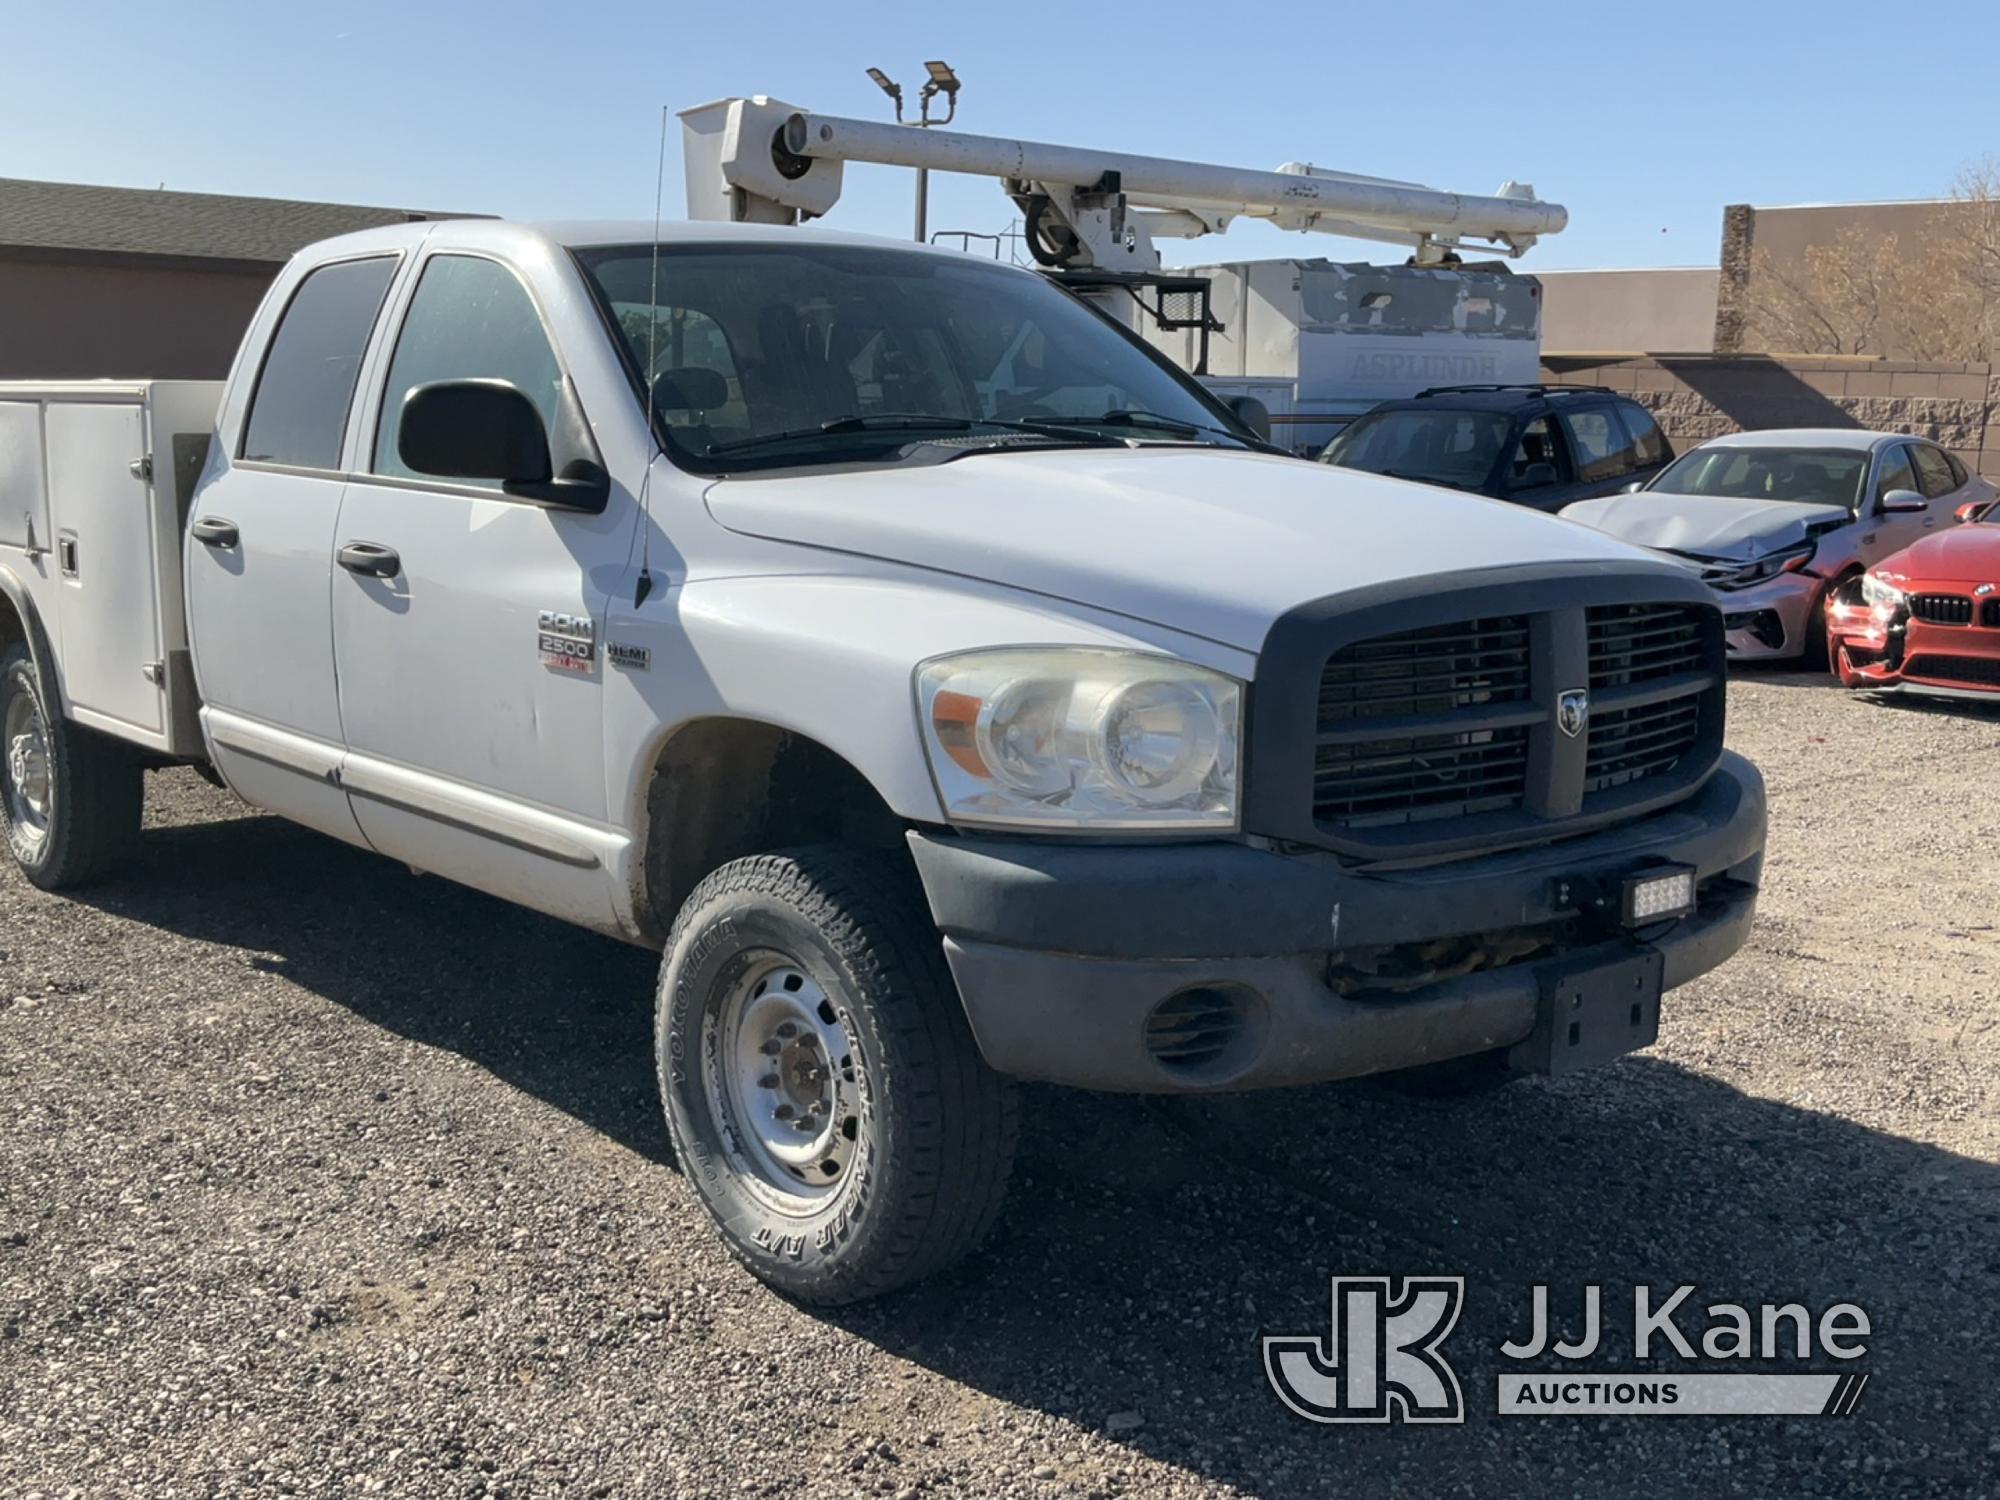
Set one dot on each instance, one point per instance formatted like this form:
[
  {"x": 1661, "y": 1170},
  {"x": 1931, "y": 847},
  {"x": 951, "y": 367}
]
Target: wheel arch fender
[
  {"x": 721, "y": 787},
  {"x": 21, "y": 621}
]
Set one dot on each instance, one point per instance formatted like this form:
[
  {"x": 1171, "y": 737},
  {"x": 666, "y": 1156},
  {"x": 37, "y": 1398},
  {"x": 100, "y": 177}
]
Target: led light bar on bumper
[{"x": 1092, "y": 741}]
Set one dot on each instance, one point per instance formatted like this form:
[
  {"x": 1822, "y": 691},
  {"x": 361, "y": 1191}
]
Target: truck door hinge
[
  {"x": 142, "y": 468},
  {"x": 154, "y": 672}
]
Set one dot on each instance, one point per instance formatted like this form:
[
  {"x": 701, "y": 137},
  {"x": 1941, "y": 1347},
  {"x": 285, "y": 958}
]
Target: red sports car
[{"x": 1926, "y": 619}]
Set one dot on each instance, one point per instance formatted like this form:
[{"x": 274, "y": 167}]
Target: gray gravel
[{"x": 317, "y": 1177}]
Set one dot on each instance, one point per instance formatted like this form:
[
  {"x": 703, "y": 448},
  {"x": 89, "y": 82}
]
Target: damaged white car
[{"x": 1774, "y": 521}]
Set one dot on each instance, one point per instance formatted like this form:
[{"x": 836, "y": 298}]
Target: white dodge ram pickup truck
[{"x": 954, "y": 692}]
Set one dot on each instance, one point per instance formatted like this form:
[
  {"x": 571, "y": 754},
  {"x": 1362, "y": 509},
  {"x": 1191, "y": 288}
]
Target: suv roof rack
[{"x": 1511, "y": 385}]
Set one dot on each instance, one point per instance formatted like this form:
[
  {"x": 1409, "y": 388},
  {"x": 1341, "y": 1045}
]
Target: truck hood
[
  {"x": 1211, "y": 542},
  {"x": 1705, "y": 525}
]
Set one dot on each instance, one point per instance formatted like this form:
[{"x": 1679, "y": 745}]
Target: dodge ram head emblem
[{"x": 1573, "y": 711}]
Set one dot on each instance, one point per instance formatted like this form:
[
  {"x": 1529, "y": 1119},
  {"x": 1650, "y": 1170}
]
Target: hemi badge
[{"x": 631, "y": 658}]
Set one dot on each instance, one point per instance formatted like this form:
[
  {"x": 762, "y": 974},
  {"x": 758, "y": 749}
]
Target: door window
[
  {"x": 299, "y": 409},
  {"x": 1933, "y": 471},
  {"x": 1537, "y": 458},
  {"x": 469, "y": 320},
  {"x": 1602, "y": 450},
  {"x": 1896, "y": 472},
  {"x": 1649, "y": 447}
]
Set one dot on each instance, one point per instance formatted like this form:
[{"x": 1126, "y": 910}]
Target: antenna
[{"x": 652, "y": 378}]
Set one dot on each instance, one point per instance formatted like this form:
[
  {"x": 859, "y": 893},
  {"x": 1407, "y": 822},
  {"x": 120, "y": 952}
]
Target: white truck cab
[{"x": 951, "y": 688}]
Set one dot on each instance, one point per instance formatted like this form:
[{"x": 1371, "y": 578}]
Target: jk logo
[{"x": 1382, "y": 1354}]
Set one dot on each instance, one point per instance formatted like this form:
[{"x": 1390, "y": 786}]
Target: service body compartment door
[
  {"x": 24, "y": 491},
  {"x": 106, "y": 555}
]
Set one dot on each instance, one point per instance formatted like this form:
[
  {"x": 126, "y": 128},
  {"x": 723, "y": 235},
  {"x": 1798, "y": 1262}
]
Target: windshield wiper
[
  {"x": 1127, "y": 416},
  {"x": 891, "y": 421}
]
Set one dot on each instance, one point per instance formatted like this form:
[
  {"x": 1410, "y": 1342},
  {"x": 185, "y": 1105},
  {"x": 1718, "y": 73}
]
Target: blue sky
[{"x": 1642, "y": 120}]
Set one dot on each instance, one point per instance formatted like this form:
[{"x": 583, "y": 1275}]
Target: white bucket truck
[{"x": 947, "y": 686}]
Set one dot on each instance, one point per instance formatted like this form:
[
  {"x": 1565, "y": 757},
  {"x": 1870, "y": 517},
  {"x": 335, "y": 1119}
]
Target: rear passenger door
[{"x": 260, "y": 544}]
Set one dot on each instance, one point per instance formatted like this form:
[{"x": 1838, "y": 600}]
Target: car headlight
[
  {"x": 1089, "y": 740},
  {"x": 1880, "y": 592},
  {"x": 1770, "y": 565}
]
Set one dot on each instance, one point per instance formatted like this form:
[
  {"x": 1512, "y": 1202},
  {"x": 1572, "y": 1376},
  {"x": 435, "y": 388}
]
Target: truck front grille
[
  {"x": 1941, "y": 609},
  {"x": 1490, "y": 727},
  {"x": 1629, "y": 744},
  {"x": 1640, "y": 642}
]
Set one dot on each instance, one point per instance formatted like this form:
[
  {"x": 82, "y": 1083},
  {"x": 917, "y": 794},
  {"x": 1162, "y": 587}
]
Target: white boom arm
[{"x": 762, "y": 160}]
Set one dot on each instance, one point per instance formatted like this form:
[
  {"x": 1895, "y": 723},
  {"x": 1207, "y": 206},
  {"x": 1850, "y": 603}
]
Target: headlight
[
  {"x": 1875, "y": 591},
  {"x": 1789, "y": 560},
  {"x": 1091, "y": 740}
]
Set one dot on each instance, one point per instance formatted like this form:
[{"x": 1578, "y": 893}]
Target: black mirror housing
[
  {"x": 1253, "y": 414},
  {"x": 474, "y": 429},
  {"x": 1536, "y": 476}
]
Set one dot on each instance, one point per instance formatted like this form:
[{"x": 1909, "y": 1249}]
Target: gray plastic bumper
[{"x": 1062, "y": 953}]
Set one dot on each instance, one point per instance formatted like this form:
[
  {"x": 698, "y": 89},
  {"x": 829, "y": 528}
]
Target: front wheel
[
  {"x": 823, "y": 1091},
  {"x": 69, "y": 798}
]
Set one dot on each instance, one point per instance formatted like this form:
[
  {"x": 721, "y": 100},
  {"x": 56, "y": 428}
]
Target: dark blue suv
[{"x": 1538, "y": 445}]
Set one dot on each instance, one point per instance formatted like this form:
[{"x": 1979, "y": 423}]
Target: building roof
[{"x": 57, "y": 216}]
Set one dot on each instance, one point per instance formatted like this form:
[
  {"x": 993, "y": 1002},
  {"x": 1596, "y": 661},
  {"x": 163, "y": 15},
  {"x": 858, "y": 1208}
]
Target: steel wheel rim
[
  {"x": 784, "y": 1083},
  {"x": 24, "y": 752}
]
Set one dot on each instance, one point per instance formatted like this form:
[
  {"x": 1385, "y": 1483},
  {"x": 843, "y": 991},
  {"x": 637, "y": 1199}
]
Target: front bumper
[
  {"x": 1064, "y": 954},
  {"x": 1769, "y": 620},
  {"x": 1889, "y": 651}
]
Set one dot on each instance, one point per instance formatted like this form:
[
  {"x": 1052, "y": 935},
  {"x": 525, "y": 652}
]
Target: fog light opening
[{"x": 1206, "y": 1033}]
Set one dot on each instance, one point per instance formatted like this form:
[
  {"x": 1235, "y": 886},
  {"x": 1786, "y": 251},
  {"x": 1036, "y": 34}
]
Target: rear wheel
[
  {"x": 822, "y": 1088},
  {"x": 70, "y": 798}
]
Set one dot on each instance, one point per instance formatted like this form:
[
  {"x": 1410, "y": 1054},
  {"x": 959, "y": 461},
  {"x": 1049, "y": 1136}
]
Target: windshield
[
  {"x": 1440, "y": 446},
  {"x": 815, "y": 353},
  {"x": 1807, "y": 476}
]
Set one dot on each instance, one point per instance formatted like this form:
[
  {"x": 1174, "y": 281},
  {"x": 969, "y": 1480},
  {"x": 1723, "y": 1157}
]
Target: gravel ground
[{"x": 318, "y": 1177}]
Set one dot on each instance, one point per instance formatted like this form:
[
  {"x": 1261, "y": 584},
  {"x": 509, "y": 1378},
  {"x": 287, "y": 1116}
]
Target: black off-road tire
[
  {"x": 94, "y": 796},
  {"x": 935, "y": 1127}
]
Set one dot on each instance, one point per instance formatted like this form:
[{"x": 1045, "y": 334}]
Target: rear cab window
[{"x": 298, "y": 410}]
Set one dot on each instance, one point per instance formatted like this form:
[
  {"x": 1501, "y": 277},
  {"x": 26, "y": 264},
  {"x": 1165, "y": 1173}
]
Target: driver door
[{"x": 475, "y": 747}]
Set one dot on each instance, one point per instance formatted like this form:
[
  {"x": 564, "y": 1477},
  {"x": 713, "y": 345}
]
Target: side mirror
[
  {"x": 487, "y": 429},
  {"x": 1972, "y": 510},
  {"x": 1633, "y": 488},
  {"x": 1901, "y": 503},
  {"x": 474, "y": 429},
  {"x": 1535, "y": 476},
  {"x": 1253, "y": 414}
]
